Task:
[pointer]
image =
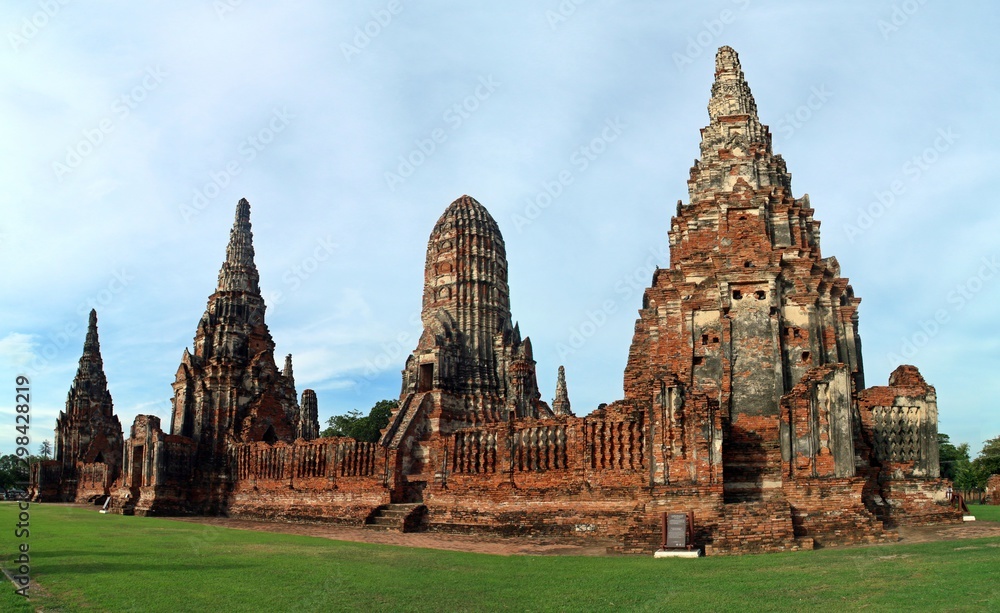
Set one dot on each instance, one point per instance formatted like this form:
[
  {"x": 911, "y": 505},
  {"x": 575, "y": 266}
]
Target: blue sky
[{"x": 131, "y": 130}]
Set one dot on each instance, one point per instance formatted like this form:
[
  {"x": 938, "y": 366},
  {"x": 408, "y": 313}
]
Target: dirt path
[
  {"x": 949, "y": 532},
  {"x": 452, "y": 542},
  {"x": 507, "y": 546},
  {"x": 532, "y": 546}
]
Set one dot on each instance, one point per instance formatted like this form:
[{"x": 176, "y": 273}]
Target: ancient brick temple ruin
[
  {"x": 228, "y": 394},
  {"x": 992, "y": 494},
  {"x": 744, "y": 398},
  {"x": 88, "y": 449},
  {"x": 470, "y": 368}
]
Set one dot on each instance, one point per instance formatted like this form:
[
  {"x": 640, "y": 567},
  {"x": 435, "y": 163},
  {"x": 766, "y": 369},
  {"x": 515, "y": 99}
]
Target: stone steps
[
  {"x": 751, "y": 469},
  {"x": 394, "y": 516},
  {"x": 757, "y": 526}
]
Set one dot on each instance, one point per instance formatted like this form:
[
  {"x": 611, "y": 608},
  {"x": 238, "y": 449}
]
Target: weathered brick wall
[
  {"x": 319, "y": 458},
  {"x": 328, "y": 479},
  {"x": 820, "y": 436},
  {"x": 46, "y": 481},
  {"x": 915, "y": 502},
  {"x": 158, "y": 500},
  {"x": 176, "y": 459},
  {"x": 559, "y": 476},
  {"x": 93, "y": 481},
  {"x": 756, "y": 527},
  {"x": 992, "y": 490},
  {"x": 831, "y": 512},
  {"x": 349, "y": 501},
  {"x": 598, "y": 443},
  {"x": 156, "y": 477},
  {"x": 591, "y": 478},
  {"x": 686, "y": 440},
  {"x": 568, "y": 505},
  {"x": 751, "y": 458},
  {"x": 901, "y": 422},
  {"x": 643, "y": 533},
  {"x": 525, "y": 508}
]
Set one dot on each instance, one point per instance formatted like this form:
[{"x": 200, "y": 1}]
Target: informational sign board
[{"x": 677, "y": 531}]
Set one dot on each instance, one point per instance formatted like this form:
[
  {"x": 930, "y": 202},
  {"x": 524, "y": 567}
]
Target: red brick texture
[{"x": 993, "y": 490}]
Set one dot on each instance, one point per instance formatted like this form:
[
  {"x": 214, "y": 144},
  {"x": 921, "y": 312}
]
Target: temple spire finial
[
  {"x": 239, "y": 273},
  {"x": 730, "y": 92},
  {"x": 735, "y": 147},
  {"x": 90, "y": 372},
  {"x": 92, "y": 344}
]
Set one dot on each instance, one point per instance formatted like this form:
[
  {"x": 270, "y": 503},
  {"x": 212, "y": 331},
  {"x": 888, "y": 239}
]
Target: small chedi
[
  {"x": 744, "y": 395},
  {"x": 88, "y": 437}
]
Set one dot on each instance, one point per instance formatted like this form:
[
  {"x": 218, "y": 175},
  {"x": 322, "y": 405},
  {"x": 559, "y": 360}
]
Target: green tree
[
  {"x": 363, "y": 428},
  {"x": 970, "y": 477},
  {"x": 45, "y": 450},
  {"x": 13, "y": 471},
  {"x": 370, "y": 428},
  {"x": 342, "y": 425},
  {"x": 988, "y": 460},
  {"x": 952, "y": 458}
]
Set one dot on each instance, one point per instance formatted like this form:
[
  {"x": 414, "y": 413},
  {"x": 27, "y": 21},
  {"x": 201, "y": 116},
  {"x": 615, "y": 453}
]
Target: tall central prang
[{"x": 748, "y": 304}]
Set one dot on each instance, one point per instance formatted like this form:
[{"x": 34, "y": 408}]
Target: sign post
[{"x": 677, "y": 536}]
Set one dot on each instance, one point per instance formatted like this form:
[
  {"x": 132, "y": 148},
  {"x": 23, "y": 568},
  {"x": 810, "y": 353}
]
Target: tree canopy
[
  {"x": 361, "y": 427},
  {"x": 14, "y": 471},
  {"x": 988, "y": 459},
  {"x": 952, "y": 458},
  {"x": 968, "y": 474}
]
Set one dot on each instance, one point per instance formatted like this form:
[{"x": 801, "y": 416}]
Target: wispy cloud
[{"x": 341, "y": 254}]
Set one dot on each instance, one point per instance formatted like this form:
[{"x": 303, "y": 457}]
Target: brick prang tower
[{"x": 748, "y": 304}]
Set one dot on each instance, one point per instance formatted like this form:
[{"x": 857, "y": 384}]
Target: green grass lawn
[
  {"x": 985, "y": 512},
  {"x": 86, "y": 561}
]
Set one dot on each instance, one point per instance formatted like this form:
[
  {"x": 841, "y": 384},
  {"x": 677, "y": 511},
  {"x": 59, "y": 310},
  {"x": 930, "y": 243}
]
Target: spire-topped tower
[
  {"x": 88, "y": 430},
  {"x": 748, "y": 306},
  {"x": 730, "y": 92},
  {"x": 735, "y": 150},
  {"x": 308, "y": 416},
  {"x": 745, "y": 265},
  {"x": 90, "y": 384},
  {"x": 92, "y": 345},
  {"x": 465, "y": 277},
  {"x": 229, "y": 388},
  {"x": 235, "y": 313},
  {"x": 239, "y": 273},
  {"x": 560, "y": 404}
]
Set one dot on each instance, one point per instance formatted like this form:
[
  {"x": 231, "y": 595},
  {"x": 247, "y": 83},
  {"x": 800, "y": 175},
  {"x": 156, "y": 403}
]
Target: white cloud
[
  {"x": 324, "y": 176},
  {"x": 17, "y": 350}
]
